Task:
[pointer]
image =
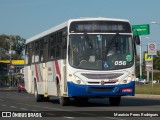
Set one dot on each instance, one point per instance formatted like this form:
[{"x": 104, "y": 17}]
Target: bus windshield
[{"x": 100, "y": 51}]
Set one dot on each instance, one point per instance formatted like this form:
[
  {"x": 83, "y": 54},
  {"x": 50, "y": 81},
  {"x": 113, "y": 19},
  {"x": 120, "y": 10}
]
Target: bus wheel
[
  {"x": 37, "y": 96},
  {"x": 114, "y": 101},
  {"x": 46, "y": 99},
  {"x": 79, "y": 100},
  {"x": 62, "y": 100}
]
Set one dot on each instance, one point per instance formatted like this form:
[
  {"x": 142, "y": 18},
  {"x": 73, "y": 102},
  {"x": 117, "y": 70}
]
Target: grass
[{"x": 148, "y": 89}]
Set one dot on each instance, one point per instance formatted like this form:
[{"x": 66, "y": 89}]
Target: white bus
[{"x": 81, "y": 59}]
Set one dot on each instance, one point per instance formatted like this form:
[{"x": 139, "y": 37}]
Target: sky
[{"x": 30, "y": 17}]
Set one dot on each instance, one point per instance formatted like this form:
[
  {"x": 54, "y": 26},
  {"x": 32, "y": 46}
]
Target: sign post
[
  {"x": 152, "y": 51},
  {"x": 142, "y": 29},
  {"x": 148, "y": 59}
]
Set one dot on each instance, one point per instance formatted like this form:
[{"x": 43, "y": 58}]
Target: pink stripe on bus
[
  {"x": 37, "y": 78},
  {"x": 57, "y": 69}
]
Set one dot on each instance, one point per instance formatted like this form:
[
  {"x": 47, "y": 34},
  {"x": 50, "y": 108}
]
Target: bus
[{"x": 81, "y": 59}]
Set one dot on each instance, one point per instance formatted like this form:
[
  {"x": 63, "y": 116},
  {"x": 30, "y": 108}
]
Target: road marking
[
  {"x": 1, "y": 100},
  {"x": 91, "y": 115},
  {"x": 69, "y": 117},
  {"x": 113, "y": 118},
  {"x": 23, "y": 109},
  {"x": 58, "y": 109},
  {"x": 42, "y": 107},
  {"x": 13, "y": 107},
  {"x": 50, "y": 114},
  {"x": 4, "y": 105},
  {"x": 34, "y": 110}
]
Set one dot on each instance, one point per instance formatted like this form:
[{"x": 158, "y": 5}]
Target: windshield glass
[{"x": 100, "y": 51}]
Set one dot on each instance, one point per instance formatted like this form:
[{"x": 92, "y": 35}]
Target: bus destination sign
[{"x": 100, "y": 26}]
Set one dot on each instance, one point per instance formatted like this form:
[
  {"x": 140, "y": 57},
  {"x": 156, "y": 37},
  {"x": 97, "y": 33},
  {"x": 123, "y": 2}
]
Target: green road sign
[{"x": 141, "y": 29}]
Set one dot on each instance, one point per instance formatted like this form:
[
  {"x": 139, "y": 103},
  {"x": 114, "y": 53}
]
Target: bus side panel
[
  {"x": 44, "y": 77},
  {"x": 28, "y": 78},
  {"x": 51, "y": 78},
  {"x": 37, "y": 76},
  {"x": 32, "y": 78}
]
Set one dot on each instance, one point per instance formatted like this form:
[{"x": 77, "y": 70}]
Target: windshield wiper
[
  {"x": 88, "y": 40},
  {"x": 112, "y": 41}
]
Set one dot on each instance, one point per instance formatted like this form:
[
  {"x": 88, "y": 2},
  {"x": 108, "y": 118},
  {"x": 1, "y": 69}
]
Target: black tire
[
  {"x": 114, "y": 101},
  {"x": 63, "y": 101},
  {"x": 79, "y": 100},
  {"x": 46, "y": 99},
  {"x": 38, "y": 98}
]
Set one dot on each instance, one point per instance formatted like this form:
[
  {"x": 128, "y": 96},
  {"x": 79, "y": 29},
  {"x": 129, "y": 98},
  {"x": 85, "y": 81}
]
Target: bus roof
[{"x": 60, "y": 26}]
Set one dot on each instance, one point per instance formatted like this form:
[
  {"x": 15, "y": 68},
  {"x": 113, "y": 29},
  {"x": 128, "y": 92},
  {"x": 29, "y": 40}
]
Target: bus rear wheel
[
  {"x": 63, "y": 101},
  {"x": 114, "y": 101}
]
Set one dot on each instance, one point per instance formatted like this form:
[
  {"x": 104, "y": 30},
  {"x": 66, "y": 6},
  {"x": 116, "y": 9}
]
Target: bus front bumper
[{"x": 75, "y": 90}]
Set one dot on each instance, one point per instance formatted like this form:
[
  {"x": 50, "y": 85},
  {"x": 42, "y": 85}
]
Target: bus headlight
[
  {"x": 128, "y": 79},
  {"x": 77, "y": 80}
]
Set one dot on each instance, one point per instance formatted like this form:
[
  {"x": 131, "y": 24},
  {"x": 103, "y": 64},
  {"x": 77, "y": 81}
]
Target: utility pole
[
  {"x": 10, "y": 56},
  {"x": 11, "y": 67},
  {"x": 140, "y": 58}
]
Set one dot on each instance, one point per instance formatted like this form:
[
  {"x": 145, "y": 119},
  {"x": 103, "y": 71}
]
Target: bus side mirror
[{"x": 136, "y": 39}]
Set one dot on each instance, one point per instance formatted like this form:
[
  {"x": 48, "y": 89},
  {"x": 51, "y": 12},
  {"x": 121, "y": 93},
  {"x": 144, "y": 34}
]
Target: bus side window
[
  {"x": 26, "y": 54},
  {"x": 33, "y": 52},
  {"x": 60, "y": 44},
  {"x": 30, "y": 54},
  {"x": 56, "y": 45},
  {"x": 37, "y": 51},
  {"x": 45, "y": 49},
  {"x": 41, "y": 50},
  {"x": 51, "y": 47}
]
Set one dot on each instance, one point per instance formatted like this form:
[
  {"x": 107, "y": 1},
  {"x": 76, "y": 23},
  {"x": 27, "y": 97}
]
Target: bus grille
[
  {"x": 102, "y": 76},
  {"x": 109, "y": 89}
]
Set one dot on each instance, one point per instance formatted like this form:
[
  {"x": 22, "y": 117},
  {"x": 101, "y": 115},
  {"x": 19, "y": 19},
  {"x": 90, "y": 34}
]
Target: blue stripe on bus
[{"x": 99, "y": 91}]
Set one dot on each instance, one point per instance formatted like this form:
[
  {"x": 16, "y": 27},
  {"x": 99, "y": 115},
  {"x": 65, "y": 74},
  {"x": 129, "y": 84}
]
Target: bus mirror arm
[
  {"x": 135, "y": 50},
  {"x": 136, "y": 39}
]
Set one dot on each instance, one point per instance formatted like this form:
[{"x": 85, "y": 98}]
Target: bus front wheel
[{"x": 114, "y": 101}]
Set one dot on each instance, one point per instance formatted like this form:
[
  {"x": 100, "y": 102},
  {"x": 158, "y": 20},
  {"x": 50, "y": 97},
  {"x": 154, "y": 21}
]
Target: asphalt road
[{"x": 96, "y": 108}]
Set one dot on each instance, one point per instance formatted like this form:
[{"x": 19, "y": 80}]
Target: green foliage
[
  {"x": 18, "y": 45},
  {"x": 148, "y": 89},
  {"x": 3, "y": 43},
  {"x": 15, "y": 42},
  {"x": 156, "y": 67},
  {"x": 156, "y": 60}
]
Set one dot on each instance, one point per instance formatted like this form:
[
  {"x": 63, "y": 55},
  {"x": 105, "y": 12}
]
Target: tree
[
  {"x": 156, "y": 61},
  {"x": 18, "y": 45},
  {"x": 137, "y": 66},
  {"x": 3, "y": 41},
  {"x": 15, "y": 42}
]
